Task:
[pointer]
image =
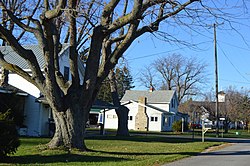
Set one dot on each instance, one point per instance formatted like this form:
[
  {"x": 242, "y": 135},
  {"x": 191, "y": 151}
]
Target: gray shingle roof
[
  {"x": 161, "y": 96},
  {"x": 12, "y": 57}
]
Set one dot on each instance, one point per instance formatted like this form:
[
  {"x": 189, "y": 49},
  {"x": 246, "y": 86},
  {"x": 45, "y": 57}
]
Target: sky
[{"x": 233, "y": 50}]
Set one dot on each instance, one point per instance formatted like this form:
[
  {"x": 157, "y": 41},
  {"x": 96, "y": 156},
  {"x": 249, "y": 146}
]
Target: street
[{"x": 238, "y": 154}]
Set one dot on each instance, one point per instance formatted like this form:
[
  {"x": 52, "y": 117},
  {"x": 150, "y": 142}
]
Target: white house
[
  {"x": 148, "y": 110},
  {"x": 36, "y": 114}
]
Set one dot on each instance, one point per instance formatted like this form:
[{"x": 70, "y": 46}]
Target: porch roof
[
  {"x": 9, "y": 89},
  {"x": 96, "y": 107}
]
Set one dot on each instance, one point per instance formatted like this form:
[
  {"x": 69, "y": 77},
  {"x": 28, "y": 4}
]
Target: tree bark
[
  {"x": 122, "y": 111},
  {"x": 5, "y": 77},
  {"x": 122, "y": 114},
  {"x": 70, "y": 128}
]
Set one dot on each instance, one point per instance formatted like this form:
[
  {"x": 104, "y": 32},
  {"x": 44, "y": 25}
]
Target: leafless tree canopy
[
  {"x": 102, "y": 30},
  {"x": 176, "y": 72}
]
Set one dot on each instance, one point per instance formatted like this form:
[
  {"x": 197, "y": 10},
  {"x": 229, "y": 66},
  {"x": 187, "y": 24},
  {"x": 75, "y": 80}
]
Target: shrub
[
  {"x": 177, "y": 126},
  {"x": 9, "y": 140}
]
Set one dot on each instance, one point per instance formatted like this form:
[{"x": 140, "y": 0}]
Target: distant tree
[
  {"x": 123, "y": 80},
  {"x": 176, "y": 72},
  {"x": 147, "y": 77},
  {"x": 237, "y": 105}
]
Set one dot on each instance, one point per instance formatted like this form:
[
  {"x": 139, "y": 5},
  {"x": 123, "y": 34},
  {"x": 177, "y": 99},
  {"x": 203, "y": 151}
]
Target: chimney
[
  {"x": 141, "y": 118},
  {"x": 221, "y": 96},
  {"x": 151, "y": 89}
]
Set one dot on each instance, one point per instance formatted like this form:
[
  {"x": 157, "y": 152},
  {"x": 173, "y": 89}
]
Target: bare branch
[
  {"x": 15, "y": 19},
  {"x": 16, "y": 69},
  {"x": 50, "y": 14}
]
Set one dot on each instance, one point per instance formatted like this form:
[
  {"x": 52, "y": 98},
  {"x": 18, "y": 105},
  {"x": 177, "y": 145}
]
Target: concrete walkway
[{"x": 238, "y": 154}]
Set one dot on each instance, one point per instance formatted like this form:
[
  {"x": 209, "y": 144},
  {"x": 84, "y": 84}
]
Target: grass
[
  {"x": 197, "y": 132},
  {"x": 110, "y": 151},
  {"x": 230, "y": 134}
]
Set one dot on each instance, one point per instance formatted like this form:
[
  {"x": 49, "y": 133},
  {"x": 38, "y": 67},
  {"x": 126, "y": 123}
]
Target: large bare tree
[
  {"x": 176, "y": 72},
  {"x": 104, "y": 29}
]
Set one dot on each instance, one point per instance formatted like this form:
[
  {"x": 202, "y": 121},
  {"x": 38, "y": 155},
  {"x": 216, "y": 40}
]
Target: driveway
[{"x": 238, "y": 154}]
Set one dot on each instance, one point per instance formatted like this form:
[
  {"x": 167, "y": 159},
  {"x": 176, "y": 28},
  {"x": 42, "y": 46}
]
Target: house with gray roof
[
  {"x": 148, "y": 110},
  {"x": 37, "y": 114}
]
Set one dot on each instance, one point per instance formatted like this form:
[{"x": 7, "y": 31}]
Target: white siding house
[
  {"x": 148, "y": 111},
  {"x": 36, "y": 114}
]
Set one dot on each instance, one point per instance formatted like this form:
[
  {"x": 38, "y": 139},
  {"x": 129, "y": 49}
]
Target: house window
[
  {"x": 130, "y": 117},
  {"x": 66, "y": 73},
  {"x": 166, "y": 121},
  {"x": 173, "y": 103},
  {"x": 153, "y": 119},
  {"x": 110, "y": 116}
]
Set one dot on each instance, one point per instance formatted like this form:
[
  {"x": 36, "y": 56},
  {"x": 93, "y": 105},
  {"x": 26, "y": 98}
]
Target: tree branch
[
  {"x": 28, "y": 55},
  {"x": 16, "y": 20},
  {"x": 16, "y": 69},
  {"x": 50, "y": 14}
]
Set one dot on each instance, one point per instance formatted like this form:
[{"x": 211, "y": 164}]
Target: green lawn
[
  {"x": 230, "y": 134},
  {"x": 109, "y": 150},
  {"x": 209, "y": 133}
]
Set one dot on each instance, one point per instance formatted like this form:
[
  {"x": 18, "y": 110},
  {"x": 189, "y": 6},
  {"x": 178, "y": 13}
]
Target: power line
[
  {"x": 146, "y": 56},
  {"x": 234, "y": 46},
  {"x": 236, "y": 69},
  {"x": 240, "y": 82}
]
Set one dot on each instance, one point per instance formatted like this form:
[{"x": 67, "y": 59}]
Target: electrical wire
[{"x": 236, "y": 69}]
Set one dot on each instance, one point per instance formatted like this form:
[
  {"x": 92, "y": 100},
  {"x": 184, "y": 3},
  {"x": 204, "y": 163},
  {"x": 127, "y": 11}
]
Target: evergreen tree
[{"x": 124, "y": 82}]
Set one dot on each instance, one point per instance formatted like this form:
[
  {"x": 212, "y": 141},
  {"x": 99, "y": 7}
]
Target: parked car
[{"x": 196, "y": 126}]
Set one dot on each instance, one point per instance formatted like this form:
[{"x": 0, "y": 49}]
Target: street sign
[{"x": 222, "y": 119}]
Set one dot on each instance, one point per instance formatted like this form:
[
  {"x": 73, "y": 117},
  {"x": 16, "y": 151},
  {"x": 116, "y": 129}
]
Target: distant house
[
  {"x": 205, "y": 111},
  {"x": 36, "y": 112},
  {"x": 148, "y": 110}
]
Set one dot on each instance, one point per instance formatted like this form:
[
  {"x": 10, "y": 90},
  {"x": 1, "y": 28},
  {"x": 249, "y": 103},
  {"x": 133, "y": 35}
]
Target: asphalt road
[{"x": 238, "y": 154}]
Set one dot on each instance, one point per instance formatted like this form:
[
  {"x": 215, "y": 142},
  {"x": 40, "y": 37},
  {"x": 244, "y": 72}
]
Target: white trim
[
  {"x": 152, "y": 107},
  {"x": 11, "y": 92}
]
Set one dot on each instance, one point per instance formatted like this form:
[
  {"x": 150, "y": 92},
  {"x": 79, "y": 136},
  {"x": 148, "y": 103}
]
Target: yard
[{"x": 109, "y": 150}]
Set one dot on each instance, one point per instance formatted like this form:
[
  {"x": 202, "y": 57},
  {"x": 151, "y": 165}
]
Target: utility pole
[{"x": 216, "y": 83}]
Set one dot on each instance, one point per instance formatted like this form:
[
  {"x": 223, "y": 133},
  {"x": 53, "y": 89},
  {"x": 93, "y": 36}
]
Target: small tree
[
  {"x": 177, "y": 126},
  {"x": 9, "y": 140}
]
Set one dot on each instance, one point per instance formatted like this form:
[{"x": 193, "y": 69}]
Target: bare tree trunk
[
  {"x": 4, "y": 77},
  {"x": 70, "y": 128},
  {"x": 122, "y": 111},
  {"x": 226, "y": 126},
  {"x": 122, "y": 114}
]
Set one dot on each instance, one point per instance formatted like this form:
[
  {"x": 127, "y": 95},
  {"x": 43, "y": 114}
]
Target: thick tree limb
[
  {"x": 16, "y": 69},
  {"x": 50, "y": 14},
  {"x": 26, "y": 54},
  {"x": 73, "y": 55},
  {"x": 107, "y": 11},
  {"x": 111, "y": 61},
  {"x": 93, "y": 60},
  {"x": 132, "y": 16}
]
